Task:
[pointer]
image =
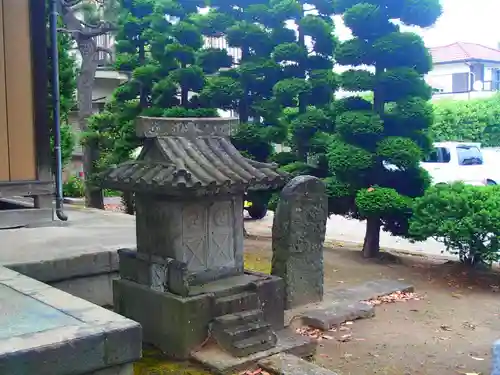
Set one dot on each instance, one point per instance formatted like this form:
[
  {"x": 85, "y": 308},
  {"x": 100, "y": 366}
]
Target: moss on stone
[
  {"x": 152, "y": 363},
  {"x": 257, "y": 263},
  {"x": 164, "y": 367}
]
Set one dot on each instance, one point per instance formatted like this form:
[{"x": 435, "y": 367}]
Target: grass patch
[
  {"x": 256, "y": 263},
  {"x": 153, "y": 364}
]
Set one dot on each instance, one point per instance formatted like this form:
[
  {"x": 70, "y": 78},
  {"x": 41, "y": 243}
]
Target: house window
[{"x": 461, "y": 82}]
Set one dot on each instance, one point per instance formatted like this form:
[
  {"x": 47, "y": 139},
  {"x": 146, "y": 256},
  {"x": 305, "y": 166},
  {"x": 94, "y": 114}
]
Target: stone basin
[{"x": 45, "y": 331}]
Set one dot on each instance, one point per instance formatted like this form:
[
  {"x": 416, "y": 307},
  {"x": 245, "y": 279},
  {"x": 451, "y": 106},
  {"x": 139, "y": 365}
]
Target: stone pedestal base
[
  {"x": 179, "y": 325},
  {"x": 175, "y": 325}
]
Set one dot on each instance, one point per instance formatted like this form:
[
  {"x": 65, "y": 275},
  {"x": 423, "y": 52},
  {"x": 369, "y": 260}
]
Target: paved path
[
  {"x": 340, "y": 229},
  {"x": 91, "y": 231},
  {"x": 86, "y": 232}
]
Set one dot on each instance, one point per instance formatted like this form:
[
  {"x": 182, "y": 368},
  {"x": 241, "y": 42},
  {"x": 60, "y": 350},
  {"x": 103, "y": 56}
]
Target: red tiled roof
[{"x": 462, "y": 51}]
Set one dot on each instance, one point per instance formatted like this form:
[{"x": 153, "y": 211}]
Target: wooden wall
[{"x": 17, "y": 133}]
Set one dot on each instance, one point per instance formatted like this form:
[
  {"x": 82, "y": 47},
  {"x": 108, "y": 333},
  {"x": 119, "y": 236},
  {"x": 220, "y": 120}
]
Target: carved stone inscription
[
  {"x": 151, "y": 127},
  {"x": 298, "y": 235}
]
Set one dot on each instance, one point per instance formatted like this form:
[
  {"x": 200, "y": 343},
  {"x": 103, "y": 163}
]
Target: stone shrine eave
[{"x": 198, "y": 166}]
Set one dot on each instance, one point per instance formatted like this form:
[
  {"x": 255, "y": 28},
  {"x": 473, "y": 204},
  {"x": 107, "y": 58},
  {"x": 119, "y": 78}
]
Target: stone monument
[
  {"x": 299, "y": 228},
  {"x": 495, "y": 361},
  {"x": 187, "y": 273}
]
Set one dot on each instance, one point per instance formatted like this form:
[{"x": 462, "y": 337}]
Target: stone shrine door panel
[
  {"x": 194, "y": 237},
  {"x": 221, "y": 235},
  {"x": 208, "y": 236}
]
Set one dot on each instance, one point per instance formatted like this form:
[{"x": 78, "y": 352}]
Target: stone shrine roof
[{"x": 187, "y": 159}]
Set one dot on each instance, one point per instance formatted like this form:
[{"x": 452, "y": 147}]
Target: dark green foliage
[
  {"x": 465, "y": 218},
  {"x": 160, "y": 43},
  {"x": 378, "y": 144},
  {"x": 277, "y": 69},
  {"x": 67, "y": 89},
  {"x": 284, "y": 158},
  {"x": 251, "y": 139},
  {"x": 74, "y": 187}
]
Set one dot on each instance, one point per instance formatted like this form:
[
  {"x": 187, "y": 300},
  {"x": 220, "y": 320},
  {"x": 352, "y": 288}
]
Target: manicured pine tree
[
  {"x": 375, "y": 151},
  {"x": 308, "y": 82},
  {"x": 278, "y": 68},
  {"x": 247, "y": 87},
  {"x": 160, "y": 46}
]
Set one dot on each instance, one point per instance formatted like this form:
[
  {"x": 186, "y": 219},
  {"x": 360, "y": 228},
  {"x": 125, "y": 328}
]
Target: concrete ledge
[
  {"x": 59, "y": 269},
  {"x": 87, "y": 276},
  {"x": 50, "y": 332},
  {"x": 97, "y": 289}
]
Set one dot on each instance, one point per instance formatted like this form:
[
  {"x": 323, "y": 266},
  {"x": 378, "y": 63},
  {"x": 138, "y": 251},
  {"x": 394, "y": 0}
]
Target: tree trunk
[
  {"x": 85, "y": 37},
  {"x": 93, "y": 194},
  {"x": 243, "y": 107},
  {"x": 302, "y": 97},
  {"x": 184, "y": 97},
  {"x": 371, "y": 245},
  {"x": 128, "y": 203},
  {"x": 142, "y": 61}
]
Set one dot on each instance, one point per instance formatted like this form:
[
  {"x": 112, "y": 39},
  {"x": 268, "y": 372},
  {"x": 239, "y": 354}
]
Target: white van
[
  {"x": 492, "y": 164},
  {"x": 457, "y": 161}
]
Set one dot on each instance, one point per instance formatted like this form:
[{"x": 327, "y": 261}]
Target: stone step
[
  {"x": 228, "y": 337},
  {"x": 287, "y": 364},
  {"x": 244, "y": 331},
  {"x": 221, "y": 362},
  {"x": 232, "y": 320},
  {"x": 225, "y": 287},
  {"x": 254, "y": 344},
  {"x": 236, "y": 303}
]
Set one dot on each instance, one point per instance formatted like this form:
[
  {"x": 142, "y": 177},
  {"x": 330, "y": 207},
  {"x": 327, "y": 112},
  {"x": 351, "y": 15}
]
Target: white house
[{"x": 464, "y": 71}]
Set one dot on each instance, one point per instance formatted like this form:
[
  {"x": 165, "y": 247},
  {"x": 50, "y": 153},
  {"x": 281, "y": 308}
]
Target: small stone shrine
[{"x": 186, "y": 280}]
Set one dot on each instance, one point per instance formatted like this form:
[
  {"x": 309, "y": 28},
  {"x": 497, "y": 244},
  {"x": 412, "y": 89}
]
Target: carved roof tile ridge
[{"x": 208, "y": 163}]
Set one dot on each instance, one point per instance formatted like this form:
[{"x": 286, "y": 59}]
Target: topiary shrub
[
  {"x": 283, "y": 158},
  {"x": 465, "y": 218},
  {"x": 74, "y": 187}
]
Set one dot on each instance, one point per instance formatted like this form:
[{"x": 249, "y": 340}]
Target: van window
[
  {"x": 438, "y": 155},
  {"x": 469, "y": 155}
]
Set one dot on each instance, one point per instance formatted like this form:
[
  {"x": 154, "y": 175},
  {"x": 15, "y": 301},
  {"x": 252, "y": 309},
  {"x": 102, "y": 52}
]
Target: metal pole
[{"x": 56, "y": 109}]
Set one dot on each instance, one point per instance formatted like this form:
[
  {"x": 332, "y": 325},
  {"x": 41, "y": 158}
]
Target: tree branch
[
  {"x": 70, "y": 3},
  {"x": 97, "y": 31},
  {"x": 77, "y": 26}
]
